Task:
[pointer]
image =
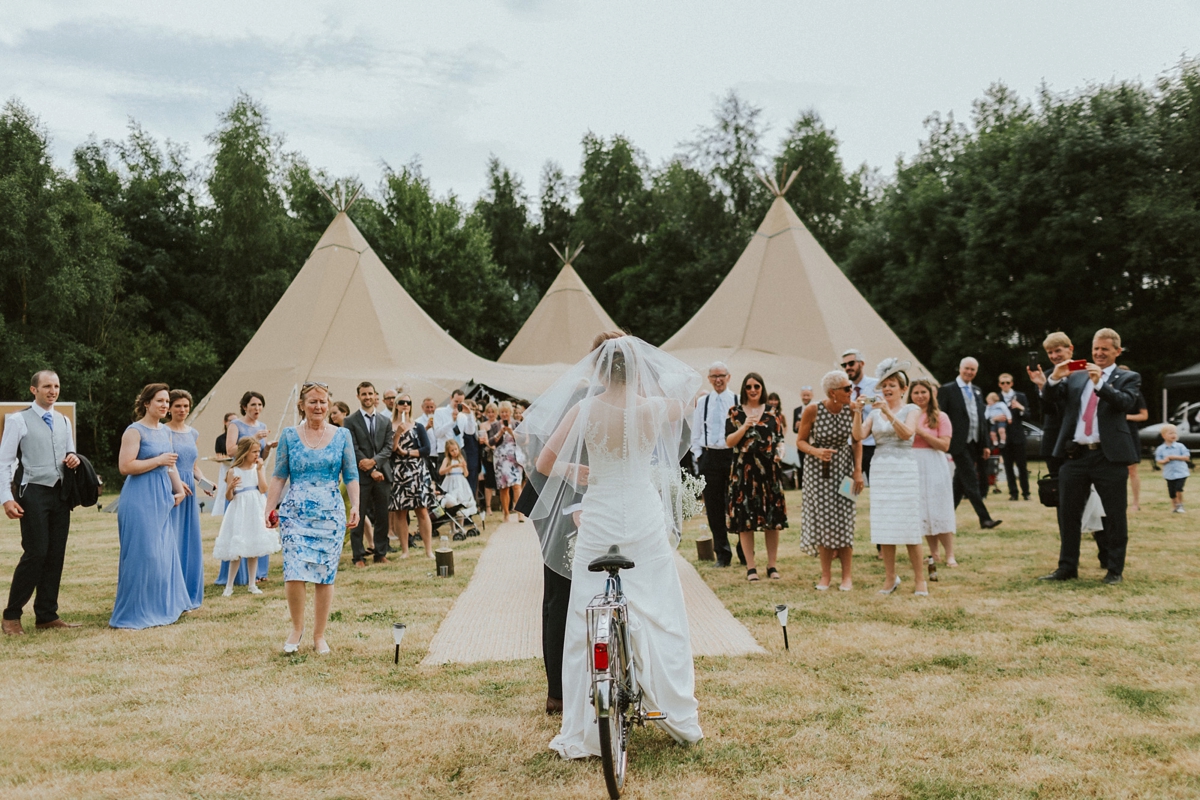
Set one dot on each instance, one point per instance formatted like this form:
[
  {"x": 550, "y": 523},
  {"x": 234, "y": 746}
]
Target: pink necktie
[{"x": 1089, "y": 414}]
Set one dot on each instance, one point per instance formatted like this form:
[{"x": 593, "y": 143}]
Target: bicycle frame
[{"x": 607, "y": 619}]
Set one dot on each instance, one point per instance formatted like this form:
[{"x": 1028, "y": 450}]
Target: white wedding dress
[{"x": 623, "y": 505}]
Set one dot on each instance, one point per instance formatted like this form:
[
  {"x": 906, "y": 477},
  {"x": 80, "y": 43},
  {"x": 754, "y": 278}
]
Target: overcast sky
[{"x": 355, "y": 84}]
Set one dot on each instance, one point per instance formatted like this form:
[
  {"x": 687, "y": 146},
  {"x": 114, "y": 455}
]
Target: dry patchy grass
[{"x": 995, "y": 686}]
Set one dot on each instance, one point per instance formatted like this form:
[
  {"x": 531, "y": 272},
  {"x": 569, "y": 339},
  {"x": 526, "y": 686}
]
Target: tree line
[{"x": 1066, "y": 211}]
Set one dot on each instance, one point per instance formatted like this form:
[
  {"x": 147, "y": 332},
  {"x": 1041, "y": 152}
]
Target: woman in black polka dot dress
[{"x": 830, "y": 456}]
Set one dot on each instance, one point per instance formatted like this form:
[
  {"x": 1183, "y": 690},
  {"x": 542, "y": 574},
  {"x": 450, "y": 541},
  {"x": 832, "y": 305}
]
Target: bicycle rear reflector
[{"x": 600, "y": 656}]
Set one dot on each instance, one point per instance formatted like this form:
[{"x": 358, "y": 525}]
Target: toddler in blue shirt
[{"x": 1175, "y": 460}]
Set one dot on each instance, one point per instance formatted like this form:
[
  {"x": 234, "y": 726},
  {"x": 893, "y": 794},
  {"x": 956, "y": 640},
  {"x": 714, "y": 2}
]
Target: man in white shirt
[
  {"x": 453, "y": 421},
  {"x": 46, "y": 447},
  {"x": 852, "y": 363},
  {"x": 714, "y": 458}
]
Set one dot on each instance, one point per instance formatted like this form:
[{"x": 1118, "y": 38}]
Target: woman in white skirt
[
  {"x": 931, "y": 446},
  {"x": 243, "y": 534},
  {"x": 895, "y": 483}
]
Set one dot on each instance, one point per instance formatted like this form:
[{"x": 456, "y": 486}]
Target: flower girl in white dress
[
  {"x": 243, "y": 534},
  {"x": 454, "y": 479}
]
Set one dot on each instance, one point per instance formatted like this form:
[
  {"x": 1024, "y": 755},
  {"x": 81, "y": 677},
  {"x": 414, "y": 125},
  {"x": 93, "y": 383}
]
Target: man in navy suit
[
  {"x": 1015, "y": 467},
  {"x": 963, "y": 403},
  {"x": 1097, "y": 449}
]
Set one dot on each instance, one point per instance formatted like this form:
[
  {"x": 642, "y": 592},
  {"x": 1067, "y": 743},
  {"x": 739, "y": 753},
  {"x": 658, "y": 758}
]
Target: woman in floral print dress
[{"x": 756, "y": 500}]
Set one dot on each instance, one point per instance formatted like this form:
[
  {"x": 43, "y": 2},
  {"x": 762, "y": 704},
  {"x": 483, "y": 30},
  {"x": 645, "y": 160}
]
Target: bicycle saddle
[{"x": 610, "y": 560}]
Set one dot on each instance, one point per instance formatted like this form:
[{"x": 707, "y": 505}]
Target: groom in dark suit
[
  {"x": 371, "y": 433},
  {"x": 963, "y": 403},
  {"x": 1097, "y": 449}
]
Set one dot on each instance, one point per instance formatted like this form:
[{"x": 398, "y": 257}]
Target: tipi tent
[
  {"x": 786, "y": 311},
  {"x": 345, "y": 319},
  {"x": 564, "y": 323}
]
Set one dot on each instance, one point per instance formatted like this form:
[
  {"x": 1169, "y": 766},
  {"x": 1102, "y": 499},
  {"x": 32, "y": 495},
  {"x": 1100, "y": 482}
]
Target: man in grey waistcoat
[{"x": 40, "y": 441}]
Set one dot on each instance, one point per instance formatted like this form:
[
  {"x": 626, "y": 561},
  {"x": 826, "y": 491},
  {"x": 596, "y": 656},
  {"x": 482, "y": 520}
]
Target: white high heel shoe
[
  {"x": 289, "y": 647},
  {"x": 894, "y": 585}
]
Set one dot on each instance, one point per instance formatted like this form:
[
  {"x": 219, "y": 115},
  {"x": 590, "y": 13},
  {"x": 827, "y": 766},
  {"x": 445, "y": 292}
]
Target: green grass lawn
[{"x": 994, "y": 686}]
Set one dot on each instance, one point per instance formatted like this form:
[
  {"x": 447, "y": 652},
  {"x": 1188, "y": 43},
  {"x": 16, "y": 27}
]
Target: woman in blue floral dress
[{"x": 312, "y": 517}]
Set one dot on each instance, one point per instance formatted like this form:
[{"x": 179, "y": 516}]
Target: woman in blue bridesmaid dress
[
  {"x": 186, "y": 516},
  {"x": 150, "y": 585},
  {"x": 252, "y": 405}
]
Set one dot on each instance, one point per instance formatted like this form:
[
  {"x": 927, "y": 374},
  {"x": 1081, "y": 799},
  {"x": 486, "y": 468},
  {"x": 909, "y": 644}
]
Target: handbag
[{"x": 1048, "y": 490}]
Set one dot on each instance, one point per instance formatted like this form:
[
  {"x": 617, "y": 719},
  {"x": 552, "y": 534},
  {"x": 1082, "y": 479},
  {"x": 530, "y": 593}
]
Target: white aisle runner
[{"x": 498, "y": 617}]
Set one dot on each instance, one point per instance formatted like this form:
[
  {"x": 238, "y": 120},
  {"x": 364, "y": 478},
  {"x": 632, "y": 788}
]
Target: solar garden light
[
  {"x": 398, "y": 636},
  {"x": 780, "y": 614}
]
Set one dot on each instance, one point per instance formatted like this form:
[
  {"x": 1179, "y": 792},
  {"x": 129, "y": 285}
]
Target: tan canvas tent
[
  {"x": 564, "y": 323},
  {"x": 785, "y": 310},
  {"x": 345, "y": 319}
]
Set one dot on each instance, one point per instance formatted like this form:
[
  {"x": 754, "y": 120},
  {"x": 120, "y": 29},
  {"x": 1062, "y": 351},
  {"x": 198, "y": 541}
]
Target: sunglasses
[
  {"x": 845, "y": 388},
  {"x": 404, "y": 402},
  {"x": 849, "y": 364},
  {"x": 753, "y": 386},
  {"x": 317, "y": 384}
]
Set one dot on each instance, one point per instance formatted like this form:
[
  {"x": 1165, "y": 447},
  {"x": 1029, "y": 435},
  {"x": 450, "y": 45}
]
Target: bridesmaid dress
[
  {"x": 186, "y": 516},
  {"x": 150, "y": 585}
]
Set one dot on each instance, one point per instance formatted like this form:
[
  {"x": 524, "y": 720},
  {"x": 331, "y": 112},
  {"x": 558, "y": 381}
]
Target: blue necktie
[{"x": 48, "y": 418}]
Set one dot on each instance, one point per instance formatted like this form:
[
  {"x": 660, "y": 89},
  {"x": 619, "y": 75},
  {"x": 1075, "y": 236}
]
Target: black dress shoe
[
  {"x": 1111, "y": 578},
  {"x": 1060, "y": 575},
  {"x": 722, "y": 563},
  {"x": 988, "y": 524},
  {"x": 554, "y": 705}
]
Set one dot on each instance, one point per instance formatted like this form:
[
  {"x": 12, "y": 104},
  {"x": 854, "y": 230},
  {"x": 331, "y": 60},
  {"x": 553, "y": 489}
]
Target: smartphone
[
  {"x": 1034, "y": 360},
  {"x": 1077, "y": 364},
  {"x": 206, "y": 485}
]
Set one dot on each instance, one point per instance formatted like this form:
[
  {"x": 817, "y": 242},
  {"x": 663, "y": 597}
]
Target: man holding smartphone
[
  {"x": 1096, "y": 449},
  {"x": 452, "y": 421}
]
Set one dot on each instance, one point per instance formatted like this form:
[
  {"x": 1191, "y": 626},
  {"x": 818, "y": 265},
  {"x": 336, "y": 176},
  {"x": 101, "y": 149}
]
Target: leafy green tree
[
  {"x": 830, "y": 201},
  {"x": 60, "y": 285},
  {"x": 613, "y": 215},
  {"x": 251, "y": 245},
  {"x": 442, "y": 256},
  {"x": 503, "y": 211},
  {"x": 730, "y": 151}
]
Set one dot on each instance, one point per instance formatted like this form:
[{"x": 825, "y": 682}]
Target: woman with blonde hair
[
  {"x": 895, "y": 483},
  {"x": 312, "y": 517},
  {"x": 504, "y": 457}
]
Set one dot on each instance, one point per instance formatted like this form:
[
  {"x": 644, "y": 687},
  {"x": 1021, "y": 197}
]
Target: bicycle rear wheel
[
  {"x": 614, "y": 725},
  {"x": 613, "y": 740}
]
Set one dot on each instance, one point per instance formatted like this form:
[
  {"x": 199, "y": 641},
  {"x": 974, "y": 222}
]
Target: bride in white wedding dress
[{"x": 613, "y": 429}]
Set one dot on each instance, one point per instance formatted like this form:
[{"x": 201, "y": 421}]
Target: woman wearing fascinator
[
  {"x": 613, "y": 429},
  {"x": 895, "y": 479}
]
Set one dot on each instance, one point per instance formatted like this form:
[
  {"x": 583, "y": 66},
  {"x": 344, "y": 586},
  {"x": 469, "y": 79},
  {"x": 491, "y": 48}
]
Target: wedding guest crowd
[{"x": 927, "y": 445}]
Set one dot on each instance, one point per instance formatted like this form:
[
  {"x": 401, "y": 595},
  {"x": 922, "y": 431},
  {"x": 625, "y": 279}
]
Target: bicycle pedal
[{"x": 655, "y": 716}]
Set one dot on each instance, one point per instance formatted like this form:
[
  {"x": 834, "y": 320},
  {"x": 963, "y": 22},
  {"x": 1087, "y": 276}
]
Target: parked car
[
  {"x": 1186, "y": 418},
  {"x": 1033, "y": 441}
]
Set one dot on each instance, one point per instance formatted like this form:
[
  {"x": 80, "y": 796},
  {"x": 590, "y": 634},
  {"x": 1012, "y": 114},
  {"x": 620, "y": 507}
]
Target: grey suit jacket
[{"x": 378, "y": 448}]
